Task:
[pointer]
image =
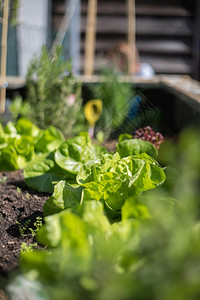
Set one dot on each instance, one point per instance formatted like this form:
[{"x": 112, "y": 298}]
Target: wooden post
[
  {"x": 90, "y": 37},
  {"x": 4, "y": 55},
  {"x": 131, "y": 37}
]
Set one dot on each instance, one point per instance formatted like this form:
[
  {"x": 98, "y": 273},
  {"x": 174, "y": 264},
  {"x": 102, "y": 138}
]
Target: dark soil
[{"x": 18, "y": 203}]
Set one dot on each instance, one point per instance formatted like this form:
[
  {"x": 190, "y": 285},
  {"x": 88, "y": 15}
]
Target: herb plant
[
  {"x": 53, "y": 92},
  {"x": 115, "y": 95}
]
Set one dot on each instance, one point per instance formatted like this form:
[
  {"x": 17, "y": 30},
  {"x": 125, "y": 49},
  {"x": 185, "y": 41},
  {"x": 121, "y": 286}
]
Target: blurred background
[
  {"x": 167, "y": 38},
  {"x": 167, "y": 33}
]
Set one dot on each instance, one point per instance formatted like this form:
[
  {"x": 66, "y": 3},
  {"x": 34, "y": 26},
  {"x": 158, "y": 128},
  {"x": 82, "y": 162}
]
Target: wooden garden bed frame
[{"x": 3, "y": 82}]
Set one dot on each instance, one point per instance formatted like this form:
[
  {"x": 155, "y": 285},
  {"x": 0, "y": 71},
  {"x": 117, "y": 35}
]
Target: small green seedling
[
  {"x": 38, "y": 225},
  {"x": 23, "y": 228},
  {"x": 27, "y": 248},
  {"x": 19, "y": 190},
  {"x": 3, "y": 179}
]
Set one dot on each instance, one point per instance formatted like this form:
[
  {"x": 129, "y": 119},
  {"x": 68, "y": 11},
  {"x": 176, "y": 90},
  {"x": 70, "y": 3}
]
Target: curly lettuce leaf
[
  {"x": 65, "y": 196},
  {"x": 113, "y": 181},
  {"x": 26, "y": 139},
  {"x": 75, "y": 151},
  {"x": 10, "y": 128},
  {"x": 96, "y": 168},
  {"x": 24, "y": 147}
]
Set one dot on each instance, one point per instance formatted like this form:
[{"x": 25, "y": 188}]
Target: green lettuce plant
[
  {"x": 22, "y": 141},
  {"x": 63, "y": 163},
  {"x": 19, "y": 108},
  {"x": 153, "y": 252}
]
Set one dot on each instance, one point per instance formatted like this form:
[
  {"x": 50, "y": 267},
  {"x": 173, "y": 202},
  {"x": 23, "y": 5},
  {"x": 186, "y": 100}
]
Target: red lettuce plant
[{"x": 148, "y": 134}]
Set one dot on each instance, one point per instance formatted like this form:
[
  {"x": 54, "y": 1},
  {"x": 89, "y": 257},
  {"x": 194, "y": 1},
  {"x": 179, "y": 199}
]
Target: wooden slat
[
  {"x": 161, "y": 65},
  {"x": 131, "y": 37},
  {"x": 146, "y": 46},
  {"x": 163, "y": 10},
  {"x": 162, "y": 31},
  {"x": 118, "y": 8},
  {"x": 107, "y": 8},
  {"x": 184, "y": 88},
  {"x": 166, "y": 64},
  {"x": 144, "y": 26},
  {"x": 90, "y": 37},
  {"x": 164, "y": 46}
]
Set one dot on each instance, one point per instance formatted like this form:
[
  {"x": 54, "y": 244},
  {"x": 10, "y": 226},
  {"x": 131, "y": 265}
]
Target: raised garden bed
[{"x": 120, "y": 231}]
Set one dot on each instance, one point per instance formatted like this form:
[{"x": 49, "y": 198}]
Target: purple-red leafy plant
[{"x": 148, "y": 134}]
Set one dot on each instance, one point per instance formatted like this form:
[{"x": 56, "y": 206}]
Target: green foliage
[
  {"x": 27, "y": 248},
  {"x": 75, "y": 151},
  {"x": 3, "y": 180},
  {"x": 135, "y": 146},
  {"x": 24, "y": 228},
  {"x": 64, "y": 163},
  {"x": 151, "y": 252},
  {"x": 53, "y": 93},
  {"x": 115, "y": 95},
  {"x": 19, "y": 190},
  {"x": 41, "y": 173},
  {"x": 37, "y": 225},
  {"x": 64, "y": 196},
  {"x": 19, "y": 108},
  {"x": 22, "y": 141},
  {"x": 111, "y": 181},
  {"x": 13, "y": 7}
]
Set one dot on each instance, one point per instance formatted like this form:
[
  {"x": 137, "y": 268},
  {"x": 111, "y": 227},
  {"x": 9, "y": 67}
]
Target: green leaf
[
  {"x": 96, "y": 168},
  {"x": 69, "y": 154},
  {"x": 136, "y": 146},
  {"x": 39, "y": 261},
  {"x": 49, "y": 140},
  {"x": 92, "y": 212},
  {"x": 135, "y": 210},
  {"x": 103, "y": 190},
  {"x": 124, "y": 136},
  {"x": 41, "y": 173},
  {"x": 24, "y": 146},
  {"x": 112, "y": 181},
  {"x": 2, "y": 133},
  {"x": 64, "y": 196},
  {"x": 68, "y": 231},
  {"x": 8, "y": 159},
  {"x": 3, "y": 138},
  {"x": 75, "y": 151},
  {"x": 26, "y": 127},
  {"x": 10, "y": 128}
]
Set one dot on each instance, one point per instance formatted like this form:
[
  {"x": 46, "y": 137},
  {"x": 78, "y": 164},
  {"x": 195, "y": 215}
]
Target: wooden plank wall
[{"x": 167, "y": 32}]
